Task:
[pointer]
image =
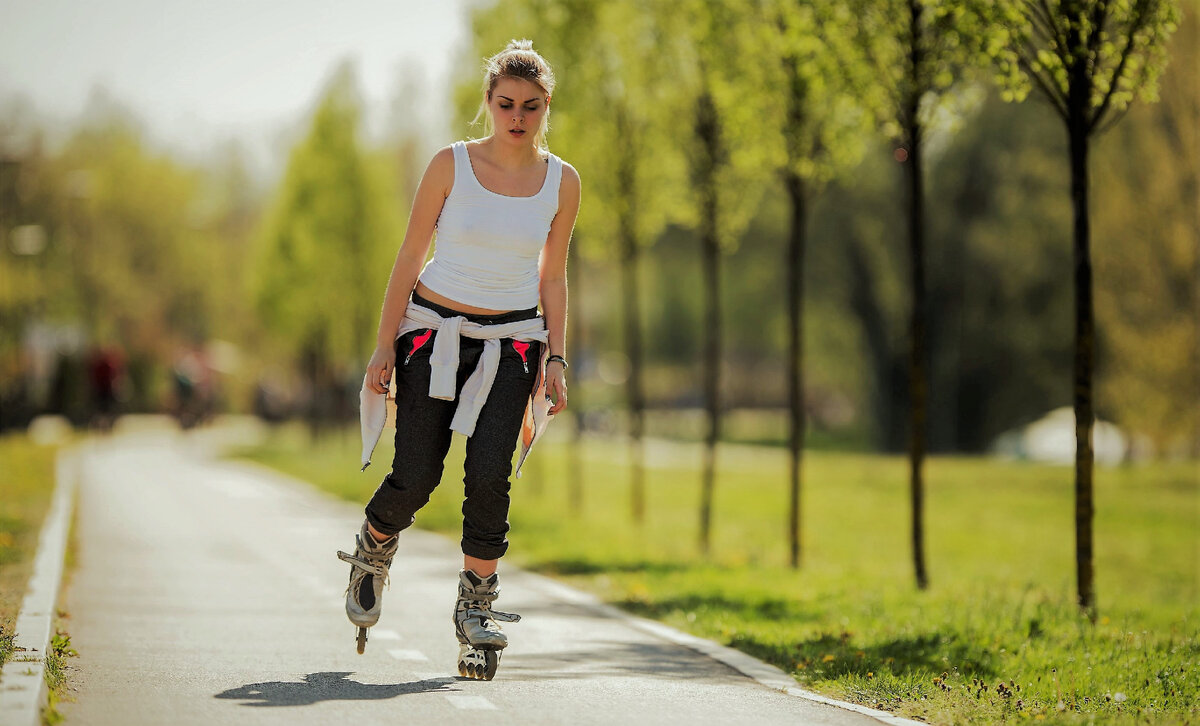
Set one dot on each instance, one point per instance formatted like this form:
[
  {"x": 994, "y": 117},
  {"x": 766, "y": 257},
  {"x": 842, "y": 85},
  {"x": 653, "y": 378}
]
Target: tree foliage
[
  {"x": 1119, "y": 44},
  {"x": 324, "y": 251}
]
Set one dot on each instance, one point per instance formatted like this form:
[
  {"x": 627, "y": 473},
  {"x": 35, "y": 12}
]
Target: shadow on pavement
[{"x": 317, "y": 687}]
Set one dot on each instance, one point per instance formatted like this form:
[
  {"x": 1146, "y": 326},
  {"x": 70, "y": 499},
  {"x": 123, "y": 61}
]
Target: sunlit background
[{"x": 201, "y": 202}]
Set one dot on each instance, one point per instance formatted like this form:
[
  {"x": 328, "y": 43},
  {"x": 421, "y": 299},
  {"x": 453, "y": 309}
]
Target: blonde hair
[{"x": 517, "y": 60}]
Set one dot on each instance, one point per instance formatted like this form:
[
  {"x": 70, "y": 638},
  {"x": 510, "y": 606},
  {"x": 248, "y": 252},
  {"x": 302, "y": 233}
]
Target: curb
[
  {"x": 749, "y": 666},
  {"x": 22, "y": 681}
]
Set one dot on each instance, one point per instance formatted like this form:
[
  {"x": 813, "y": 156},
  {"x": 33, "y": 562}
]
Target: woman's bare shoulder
[
  {"x": 570, "y": 178},
  {"x": 440, "y": 171}
]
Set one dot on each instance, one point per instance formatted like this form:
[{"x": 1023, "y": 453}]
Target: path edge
[
  {"x": 23, "y": 690},
  {"x": 764, "y": 673}
]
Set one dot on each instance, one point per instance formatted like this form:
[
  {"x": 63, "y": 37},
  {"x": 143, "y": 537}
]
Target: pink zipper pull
[
  {"x": 417, "y": 343},
  {"x": 521, "y": 347}
]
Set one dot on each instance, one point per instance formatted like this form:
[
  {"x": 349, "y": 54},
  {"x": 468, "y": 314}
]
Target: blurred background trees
[{"x": 774, "y": 212}]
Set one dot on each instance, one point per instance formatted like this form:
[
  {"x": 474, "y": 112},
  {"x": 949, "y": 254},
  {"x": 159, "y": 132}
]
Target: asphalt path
[{"x": 208, "y": 592}]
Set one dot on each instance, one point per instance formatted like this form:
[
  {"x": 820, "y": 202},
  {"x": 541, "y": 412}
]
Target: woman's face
[{"x": 517, "y": 107}]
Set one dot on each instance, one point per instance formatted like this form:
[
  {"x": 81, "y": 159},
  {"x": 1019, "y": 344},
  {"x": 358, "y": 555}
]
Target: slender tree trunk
[
  {"x": 917, "y": 362},
  {"x": 633, "y": 344},
  {"x": 627, "y": 211},
  {"x": 1084, "y": 351},
  {"x": 917, "y": 376},
  {"x": 795, "y": 277},
  {"x": 708, "y": 133},
  {"x": 1079, "y": 92}
]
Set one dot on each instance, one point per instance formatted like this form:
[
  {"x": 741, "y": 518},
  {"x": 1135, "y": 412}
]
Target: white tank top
[{"x": 487, "y": 245}]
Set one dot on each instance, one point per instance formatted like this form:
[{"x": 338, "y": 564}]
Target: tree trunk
[
  {"x": 1079, "y": 93},
  {"x": 708, "y": 131},
  {"x": 795, "y": 276},
  {"x": 633, "y": 338},
  {"x": 1084, "y": 353},
  {"x": 917, "y": 376},
  {"x": 917, "y": 363}
]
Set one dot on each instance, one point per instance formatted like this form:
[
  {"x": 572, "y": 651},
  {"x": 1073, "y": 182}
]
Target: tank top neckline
[{"x": 471, "y": 169}]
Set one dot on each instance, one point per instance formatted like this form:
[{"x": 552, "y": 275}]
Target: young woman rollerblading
[{"x": 468, "y": 347}]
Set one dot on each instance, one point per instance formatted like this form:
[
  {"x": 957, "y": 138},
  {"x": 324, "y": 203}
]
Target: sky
[{"x": 198, "y": 72}]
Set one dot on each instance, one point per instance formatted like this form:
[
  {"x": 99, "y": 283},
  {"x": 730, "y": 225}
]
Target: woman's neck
[{"x": 512, "y": 156}]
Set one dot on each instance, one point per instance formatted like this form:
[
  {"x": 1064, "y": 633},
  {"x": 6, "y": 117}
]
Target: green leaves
[
  {"x": 1106, "y": 52},
  {"x": 326, "y": 247}
]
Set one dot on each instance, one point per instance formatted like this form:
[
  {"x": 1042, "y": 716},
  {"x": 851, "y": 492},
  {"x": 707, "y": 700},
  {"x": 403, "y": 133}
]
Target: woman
[{"x": 504, "y": 208}]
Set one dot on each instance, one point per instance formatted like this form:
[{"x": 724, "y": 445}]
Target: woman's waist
[
  {"x": 428, "y": 297},
  {"x": 487, "y": 293},
  {"x": 490, "y": 318}
]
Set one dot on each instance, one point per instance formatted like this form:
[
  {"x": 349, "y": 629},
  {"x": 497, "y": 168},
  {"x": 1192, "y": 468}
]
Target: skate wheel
[
  {"x": 362, "y": 640},
  {"x": 478, "y": 665}
]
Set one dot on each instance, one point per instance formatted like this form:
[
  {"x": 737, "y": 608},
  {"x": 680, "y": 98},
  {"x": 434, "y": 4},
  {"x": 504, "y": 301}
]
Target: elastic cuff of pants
[
  {"x": 385, "y": 529},
  {"x": 484, "y": 553}
]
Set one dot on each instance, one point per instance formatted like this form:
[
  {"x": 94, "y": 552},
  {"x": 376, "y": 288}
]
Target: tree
[
  {"x": 817, "y": 119},
  {"x": 916, "y": 50},
  {"x": 324, "y": 249},
  {"x": 1089, "y": 59}
]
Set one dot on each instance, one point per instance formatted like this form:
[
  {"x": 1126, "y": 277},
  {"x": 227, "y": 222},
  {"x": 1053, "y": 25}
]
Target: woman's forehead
[{"x": 518, "y": 89}]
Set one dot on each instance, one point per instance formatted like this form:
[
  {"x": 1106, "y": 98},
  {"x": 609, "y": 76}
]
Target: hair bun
[{"x": 522, "y": 44}]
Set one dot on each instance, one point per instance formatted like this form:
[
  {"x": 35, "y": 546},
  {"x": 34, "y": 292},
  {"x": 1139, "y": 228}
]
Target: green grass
[
  {"x": 26, "y": 488},
  {"x": 997, "y": 637},
  {"x": 56, "y": 675}
]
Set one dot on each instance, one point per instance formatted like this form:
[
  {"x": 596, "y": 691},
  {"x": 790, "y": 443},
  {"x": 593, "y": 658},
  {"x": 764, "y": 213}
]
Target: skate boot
[
  {"x": 368, "y": 576},
  {"x": 480, "y": 639}
]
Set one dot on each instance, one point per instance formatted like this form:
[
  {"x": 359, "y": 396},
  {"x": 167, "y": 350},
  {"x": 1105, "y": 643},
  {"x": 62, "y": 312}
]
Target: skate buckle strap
[
  {"x": 481, "y": 609},
  {"x": 370, "y": 567},
  {"x": 505, "y": 617}
]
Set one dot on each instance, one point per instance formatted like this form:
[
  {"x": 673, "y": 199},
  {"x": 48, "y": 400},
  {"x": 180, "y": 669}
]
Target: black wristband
[{"x": 560, "y": 359}]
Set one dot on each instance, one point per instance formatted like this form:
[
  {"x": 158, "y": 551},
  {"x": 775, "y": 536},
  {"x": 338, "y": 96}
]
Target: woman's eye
[{"x": 505, "y": 107}]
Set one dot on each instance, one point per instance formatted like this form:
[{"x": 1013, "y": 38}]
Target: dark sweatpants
[{"x": 423, "y": 434}]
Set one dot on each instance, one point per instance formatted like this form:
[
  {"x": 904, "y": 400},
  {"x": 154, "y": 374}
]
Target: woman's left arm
[{"x": 552, "y": 271}]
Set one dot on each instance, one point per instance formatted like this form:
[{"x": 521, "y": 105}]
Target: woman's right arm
[{"x": 431, "y": 194}]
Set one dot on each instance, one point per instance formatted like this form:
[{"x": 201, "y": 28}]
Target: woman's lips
[{"x": 517, "y": 132}]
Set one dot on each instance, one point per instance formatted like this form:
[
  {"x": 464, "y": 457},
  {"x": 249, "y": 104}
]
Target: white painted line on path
[
  {"x": 478, "y": 703},
  {"x": 383, "y": 634},
  {"x": 403, "y": 654}
]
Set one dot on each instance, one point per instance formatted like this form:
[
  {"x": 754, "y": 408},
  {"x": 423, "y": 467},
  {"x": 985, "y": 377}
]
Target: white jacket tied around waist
[{"x": 443, "y": 362}]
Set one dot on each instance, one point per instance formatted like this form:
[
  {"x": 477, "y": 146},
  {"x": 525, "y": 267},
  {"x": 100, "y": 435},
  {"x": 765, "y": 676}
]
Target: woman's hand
[
  {"x": 556, "y": 386},
  {"x": 379, "y": 370}
]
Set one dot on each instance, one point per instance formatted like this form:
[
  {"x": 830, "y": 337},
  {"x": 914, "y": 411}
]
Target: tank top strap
[
  {"x": 555, "y": 177},
  {"x": 462, "y": 162}
]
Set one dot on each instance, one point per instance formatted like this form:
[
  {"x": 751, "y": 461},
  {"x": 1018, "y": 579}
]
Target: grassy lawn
[
  {"x": 995, "y": 638},
  {"x": 26, "y": 487}
]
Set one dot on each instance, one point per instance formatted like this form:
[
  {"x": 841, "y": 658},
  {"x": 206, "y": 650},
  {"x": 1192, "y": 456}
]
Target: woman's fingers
[
  {"x": 560, "y": 398},
  {"x": 378, "y": 379}
]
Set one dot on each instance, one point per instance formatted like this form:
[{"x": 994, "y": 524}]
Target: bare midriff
[{"x": 432, "y": 296}]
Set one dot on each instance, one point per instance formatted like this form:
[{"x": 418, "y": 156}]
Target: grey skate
[
  {"x": 480, "y": 639},
  {"x": 368, "y": 576}
]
